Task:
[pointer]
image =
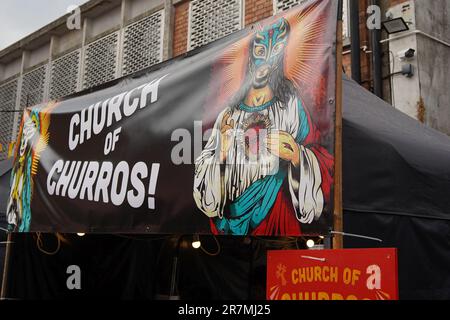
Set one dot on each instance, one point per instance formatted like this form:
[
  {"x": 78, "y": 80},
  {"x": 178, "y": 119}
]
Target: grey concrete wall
[
  {"x": 104, "y": 22},
  {"x": 433, "y": 17},
  {"x": 136, "y": 7},
  {"x": 68, "y": 41},
  {"x": 38, "y": 56},
  {"x": 99, "y": 17},
  {"x": 11, "y": 69}
]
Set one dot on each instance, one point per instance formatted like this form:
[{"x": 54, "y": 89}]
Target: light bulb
[
  {"x": 196, "y": 243},
  {"x": 310, "y": 243},
  {"x": 81, "y": 234}
]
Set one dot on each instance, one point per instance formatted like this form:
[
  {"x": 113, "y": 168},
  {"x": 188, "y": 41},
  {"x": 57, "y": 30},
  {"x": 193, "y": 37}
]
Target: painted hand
[
  {"x": 226, "y": 133},
  {"x": 284, "y": 146}
]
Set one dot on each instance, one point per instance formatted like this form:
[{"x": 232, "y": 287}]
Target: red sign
[{"x": 361, "y": 274}]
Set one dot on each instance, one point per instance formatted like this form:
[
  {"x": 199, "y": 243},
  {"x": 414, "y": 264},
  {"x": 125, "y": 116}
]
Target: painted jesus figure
[{"x": 280, "y": 190}]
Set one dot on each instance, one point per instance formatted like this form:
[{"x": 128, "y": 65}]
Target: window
[
  {"x": 143, "y": 43},
  {"x": 33, "y": 87},
  {"x": 8, "y": 93},
  {"x": 282, "y": 5},
  {"x": 345, "y": 18},
  {"x": 64, "y": 75},
  {"x": 101, "y": 61},
  {"x": 210, "y": 20}
]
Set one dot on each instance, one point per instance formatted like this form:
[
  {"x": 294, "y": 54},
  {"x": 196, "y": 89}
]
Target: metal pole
[
  {"x": 3, "y": 294},
  {"x": 355, "y": 40},
  {"x": 250, "y": 272},
  {"x": 174, "y": 275},
  {"x": 338, "y": 242},
  {"x": 376, "y": 59}
]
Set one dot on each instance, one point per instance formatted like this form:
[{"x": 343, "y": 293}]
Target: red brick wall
[
  {"x": 256, "y": 10},
  {"x": 180, "y": 28}
]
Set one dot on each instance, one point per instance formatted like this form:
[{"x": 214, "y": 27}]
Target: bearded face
[{"x": 267, "y": 52}]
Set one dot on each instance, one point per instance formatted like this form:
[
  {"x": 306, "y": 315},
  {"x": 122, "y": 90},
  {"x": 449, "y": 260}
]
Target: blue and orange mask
[{"x": 267, "y": 51}]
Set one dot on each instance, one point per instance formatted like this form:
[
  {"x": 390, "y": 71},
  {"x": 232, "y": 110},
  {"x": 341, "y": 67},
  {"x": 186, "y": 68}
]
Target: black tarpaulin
[
  {"x": 396, "y": 188},
  {"x": 392, "y": 163},
  {"x": 5, "y": 171}
]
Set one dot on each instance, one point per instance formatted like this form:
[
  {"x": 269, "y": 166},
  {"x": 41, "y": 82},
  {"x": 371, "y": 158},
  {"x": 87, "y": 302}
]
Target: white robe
[{"x": 304, "y": 182}]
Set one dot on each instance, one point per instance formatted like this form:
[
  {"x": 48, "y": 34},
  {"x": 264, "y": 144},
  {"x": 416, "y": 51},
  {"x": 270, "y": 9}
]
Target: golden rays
[
  {"x": 232, "y": 68},
  {"x": 44, "y": 135},
  {"x": 306, "y": 48}
]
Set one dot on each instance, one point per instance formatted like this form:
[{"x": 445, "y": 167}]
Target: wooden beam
[
  {"x": 6, "y": 268},
  {"x": 338, "y": 242}
]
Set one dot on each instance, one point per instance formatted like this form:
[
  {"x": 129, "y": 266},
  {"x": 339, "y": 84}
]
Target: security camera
[{"x": 406, "y": 54}]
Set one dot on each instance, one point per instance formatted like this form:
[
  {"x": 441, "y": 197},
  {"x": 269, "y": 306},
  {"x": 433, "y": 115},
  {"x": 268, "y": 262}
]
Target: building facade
[{"x": 118, "y": 37}]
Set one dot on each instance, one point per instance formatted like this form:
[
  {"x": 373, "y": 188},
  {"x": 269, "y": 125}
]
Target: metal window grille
[
  {"x": 210, "y": 20},
  {"x": 143, "y": 43},
  {"x": 345, "y": 19},
  {"x": 64, "y": 75},
  {"x": 8, "y": 93},
  {"x": 282, "y": 5},
  {"x": 33, "y": 87},
  {"x": 32, "y": 92},
  {"x": 100, "y": 61}
]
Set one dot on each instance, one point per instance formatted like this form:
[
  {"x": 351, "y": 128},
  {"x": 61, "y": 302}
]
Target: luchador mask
[{"x": 267, "y": 51}]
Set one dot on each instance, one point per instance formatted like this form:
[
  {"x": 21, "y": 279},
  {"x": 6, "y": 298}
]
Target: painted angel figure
[{"x": 283, "y": 188}]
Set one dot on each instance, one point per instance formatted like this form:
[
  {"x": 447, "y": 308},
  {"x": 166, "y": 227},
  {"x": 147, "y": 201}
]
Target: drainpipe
[
  {"x": 376, "y": 58},
  {"x": 355, "y": 40}
]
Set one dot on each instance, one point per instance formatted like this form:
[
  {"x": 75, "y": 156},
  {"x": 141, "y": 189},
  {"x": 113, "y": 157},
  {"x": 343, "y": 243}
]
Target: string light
[{"x": 196, "y": 243}]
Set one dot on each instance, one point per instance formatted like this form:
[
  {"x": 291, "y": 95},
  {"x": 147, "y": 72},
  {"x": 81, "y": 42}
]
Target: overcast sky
[{"x": 19, "y": 18}]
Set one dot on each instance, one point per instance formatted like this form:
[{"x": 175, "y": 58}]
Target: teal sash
[{"x": 26, "y": 199}]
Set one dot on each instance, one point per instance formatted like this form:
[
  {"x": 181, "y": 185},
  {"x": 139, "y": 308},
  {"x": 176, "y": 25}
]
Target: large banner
[
  {"x": 236, "y": 138},
  {"x": 358, "y": 274}
]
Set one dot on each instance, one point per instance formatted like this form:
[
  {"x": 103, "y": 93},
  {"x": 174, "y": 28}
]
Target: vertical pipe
[
  {"x": 250, "y": 271},
  {"x": 376, "y": 58},
  {"x": 355, "y": 40},
  {"x": 84, "y": 38},
  {"x": 174, "y": 274}
]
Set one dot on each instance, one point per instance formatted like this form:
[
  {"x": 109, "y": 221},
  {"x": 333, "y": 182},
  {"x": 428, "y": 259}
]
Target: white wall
[
  {"x": 405, "y": 91},
  {"x": 433, "y": 18}
]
